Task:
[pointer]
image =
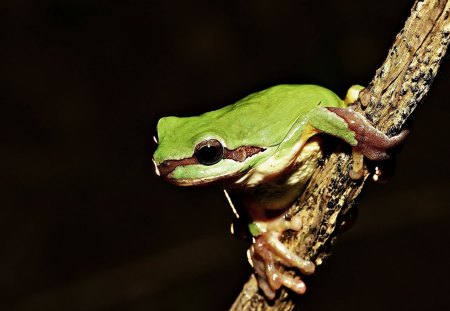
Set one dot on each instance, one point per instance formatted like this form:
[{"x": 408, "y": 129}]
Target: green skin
[
  {"x": 274, "y": 156},
  {"x": 274, "y": 119}
]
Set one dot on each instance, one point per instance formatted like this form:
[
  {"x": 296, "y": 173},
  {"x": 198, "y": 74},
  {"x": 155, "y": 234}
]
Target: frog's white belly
[{"x": 280, "y": 191}]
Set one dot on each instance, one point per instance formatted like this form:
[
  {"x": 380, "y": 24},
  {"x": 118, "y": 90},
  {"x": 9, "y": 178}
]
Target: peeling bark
[{"x": 394, "y": 93}]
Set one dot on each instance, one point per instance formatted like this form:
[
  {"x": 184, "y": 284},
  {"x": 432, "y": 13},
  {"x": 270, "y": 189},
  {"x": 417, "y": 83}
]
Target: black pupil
[{"x": 209, "y": 154}]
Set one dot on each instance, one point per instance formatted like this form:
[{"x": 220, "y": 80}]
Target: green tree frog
[{"x": 263, "y": 150}]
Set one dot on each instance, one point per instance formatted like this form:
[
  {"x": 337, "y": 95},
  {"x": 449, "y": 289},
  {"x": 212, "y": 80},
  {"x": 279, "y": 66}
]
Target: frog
[{"x": 262, "y": 150}]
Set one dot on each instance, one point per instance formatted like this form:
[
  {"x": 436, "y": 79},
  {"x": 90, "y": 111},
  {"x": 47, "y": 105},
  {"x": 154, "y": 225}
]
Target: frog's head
[
  {"x": 196, "y": 151},
  {"x": 230, "y": 142}
]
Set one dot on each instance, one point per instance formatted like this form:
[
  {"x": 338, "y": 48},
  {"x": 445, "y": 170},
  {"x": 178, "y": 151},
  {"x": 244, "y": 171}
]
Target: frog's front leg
[
  {"x": 352, "y": 127},
  {"x": 370, "y": 142},
  {"x": 267, "y": 253}
]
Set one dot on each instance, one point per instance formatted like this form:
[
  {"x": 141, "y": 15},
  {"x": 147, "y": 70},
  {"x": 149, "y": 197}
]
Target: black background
[{"x": 86, "y": 225}]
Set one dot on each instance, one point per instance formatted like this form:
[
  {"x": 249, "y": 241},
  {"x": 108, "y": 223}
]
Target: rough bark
[{"x": 396, "y": 90}]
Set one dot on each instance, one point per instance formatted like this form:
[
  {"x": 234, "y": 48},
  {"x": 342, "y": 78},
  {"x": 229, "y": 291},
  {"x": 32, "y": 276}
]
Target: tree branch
[{"x": 398, "y": 87}]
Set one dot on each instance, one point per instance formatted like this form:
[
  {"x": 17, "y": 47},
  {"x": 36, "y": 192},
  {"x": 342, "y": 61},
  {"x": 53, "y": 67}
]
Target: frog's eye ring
[{"x": 209, "y": 152}]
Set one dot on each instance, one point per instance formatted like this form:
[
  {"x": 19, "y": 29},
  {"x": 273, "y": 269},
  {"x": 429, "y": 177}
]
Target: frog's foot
[
  {"x": 357, "y": 170},
  {"x": 267, "y": 254},
  {"x": 352, "y": 94}
]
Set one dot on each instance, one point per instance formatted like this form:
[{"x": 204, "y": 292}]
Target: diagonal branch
[{"x": 394, "y": 93}]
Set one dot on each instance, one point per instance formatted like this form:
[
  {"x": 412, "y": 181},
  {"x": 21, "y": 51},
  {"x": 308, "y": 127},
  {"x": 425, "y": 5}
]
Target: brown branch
[{"x": 398, "y": 87}]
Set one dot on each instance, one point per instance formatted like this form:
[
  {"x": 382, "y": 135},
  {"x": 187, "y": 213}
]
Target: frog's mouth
[{"x": 240, "y": 154}]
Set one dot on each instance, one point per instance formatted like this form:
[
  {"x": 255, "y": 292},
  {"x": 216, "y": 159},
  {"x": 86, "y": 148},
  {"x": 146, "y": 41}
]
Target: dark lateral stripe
[
  {"x": 239, "y": 155},
  {"x": 169, "y": 165}
]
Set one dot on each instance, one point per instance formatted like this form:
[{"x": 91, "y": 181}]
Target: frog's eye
[{"x": 209, "y": 152}]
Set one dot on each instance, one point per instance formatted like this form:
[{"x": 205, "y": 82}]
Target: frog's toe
[
  {"x": 294, "y": 283},
  {"x": 266, "y": 253},
  {"x": 286, "y": 256},
  {"x": 265, "y": 287},
  {"x": 263, "y": 263}
]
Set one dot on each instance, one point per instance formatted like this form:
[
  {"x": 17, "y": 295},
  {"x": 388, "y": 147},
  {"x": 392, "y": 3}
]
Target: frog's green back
[{"x": 260, "y": 119}]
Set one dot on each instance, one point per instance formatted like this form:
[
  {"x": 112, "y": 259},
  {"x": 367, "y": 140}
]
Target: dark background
[{"x": 86, "y": 225}]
